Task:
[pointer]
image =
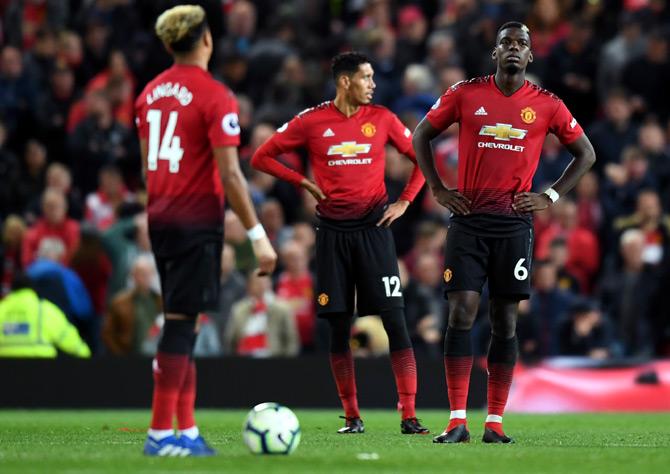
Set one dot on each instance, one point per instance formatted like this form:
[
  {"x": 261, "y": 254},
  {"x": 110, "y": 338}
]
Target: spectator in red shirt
[
  {"x": 55, "y": 225},
  {"x": 296, "y": 287},
  {"x": 583, "y": 249},
  {"x": 101, "y": 205}
]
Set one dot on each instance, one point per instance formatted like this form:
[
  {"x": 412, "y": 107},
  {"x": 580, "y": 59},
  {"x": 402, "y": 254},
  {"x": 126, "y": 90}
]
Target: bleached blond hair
[{"x": 178, "y": 23}]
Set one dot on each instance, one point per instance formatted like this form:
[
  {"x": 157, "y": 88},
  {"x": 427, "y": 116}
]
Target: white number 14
[{"x": 169, "y": 147}]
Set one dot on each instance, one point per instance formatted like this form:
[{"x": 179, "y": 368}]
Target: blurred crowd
[{"x": 72, "y": 197}]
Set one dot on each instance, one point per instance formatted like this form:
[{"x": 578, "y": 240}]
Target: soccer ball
[{"x": 271, "y": 428}]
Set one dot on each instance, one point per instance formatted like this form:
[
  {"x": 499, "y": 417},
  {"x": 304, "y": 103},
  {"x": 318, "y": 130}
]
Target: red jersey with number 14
[
  {"x": 500, "y": 138},
  {"x": 184, "y": 114},
  {"x": 347, "y": 156}
]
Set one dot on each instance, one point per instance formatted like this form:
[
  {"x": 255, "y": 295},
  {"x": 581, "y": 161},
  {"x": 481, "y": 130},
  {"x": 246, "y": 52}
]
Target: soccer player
[
  {"x": 503, "y": 121},
  {"x": 355, "y": 252},
  {"x": 188, "y": 127}
]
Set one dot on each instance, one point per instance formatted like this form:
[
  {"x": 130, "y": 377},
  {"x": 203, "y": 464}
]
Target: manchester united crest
[
  {"x": 368, "y": 129},
  {"x": 447, "y": 275},
  {"x": 528, "y": 115},
  {"x": 323, "y": 299}
]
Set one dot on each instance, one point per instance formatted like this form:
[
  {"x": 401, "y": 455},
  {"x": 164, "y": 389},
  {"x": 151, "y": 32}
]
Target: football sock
[
  {"x": 457, "y": 365},
  {"x": 404, "y": 371},
  {"x": 170, "y": 368},
  {"x": 169, "y": 373},
  {"x": 402, "y": 360},
  {"x": 342, "y": 366},
  {"x": 193, "y": 432},
  {"x": 160, "y": 434},
  {"x": 501, "y": 360},
  {"x": 186, "y": 401}
]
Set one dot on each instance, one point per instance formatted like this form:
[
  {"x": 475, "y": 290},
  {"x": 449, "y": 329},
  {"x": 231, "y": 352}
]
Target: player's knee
[
  {"x": 503, "y": 319},
  {"x": 178, "y": 336},
  {"x": 461, "y": 317}
]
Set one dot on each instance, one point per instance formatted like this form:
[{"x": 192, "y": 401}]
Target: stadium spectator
[
  {"x": 18, "y": 91},
  {"x": 583, "y": 248},
  {"x": 271, "y": 215},
  {"x": 547, "y": 22},
  {"x": 654, "y": 144},
  {"x": 425, "y": 306},
  {"x": 585, "y": 332},
  {"x": 133, "y": 312},
  {"x": 412, "y": 35},
  {"x": 97, "y": 141},
  {"x": 59, "y": 178},
  {"x": 31, "y": 179},
  {"x": 261, "y": 325},
  {"x": 295, "y": 286},
  {"x": 615, "y": 131},
  {"x": 628, "y": 293},
  {"x": 590, "y": 213},
  {"x": 34, "y": 327},
  {"x": 232, "y": 288},
  {"x": 558, "y": 256},
  {"x": 646, "y": 76},
  {"x": 54, "y": 226},
  {"x": 655, "y": 226},
  {"x": 9, "y": 176},
  {"x": 13, "y": 231},
  {"x": 553, "y": 160},
  {"x": 102, "y": 204}
]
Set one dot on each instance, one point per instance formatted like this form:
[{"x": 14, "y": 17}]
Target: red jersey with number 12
[
  {"x": 183, "y": 114},
  {"x": 500, "y": 138}
]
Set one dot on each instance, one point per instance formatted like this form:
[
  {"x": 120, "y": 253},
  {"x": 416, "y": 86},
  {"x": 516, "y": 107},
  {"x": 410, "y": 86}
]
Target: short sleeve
[
  {"x": 445, "y": 110},
  {"x": 564, "y": 125},
  {"x": 290, "y": 136},
  {"x": 223, "y": 128}
]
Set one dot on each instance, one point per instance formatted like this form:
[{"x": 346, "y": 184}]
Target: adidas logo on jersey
[
  {"x": 328, "y": 133},
  {"x": 481, "y": 111}
]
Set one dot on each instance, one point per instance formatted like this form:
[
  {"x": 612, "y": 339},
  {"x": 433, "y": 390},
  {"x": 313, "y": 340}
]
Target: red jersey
[
  {"x": 183, "y": 114},
  {"x": 346, "y": 154},
  {"x": 500, "y": 139}
]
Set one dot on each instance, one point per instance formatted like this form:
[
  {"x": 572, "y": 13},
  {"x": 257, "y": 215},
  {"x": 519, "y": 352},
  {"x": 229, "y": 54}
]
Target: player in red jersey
[
  {"x": 189, "y": 135},
  {"x": 355, "y": 252},
  {"x": 503, "y": 121}
]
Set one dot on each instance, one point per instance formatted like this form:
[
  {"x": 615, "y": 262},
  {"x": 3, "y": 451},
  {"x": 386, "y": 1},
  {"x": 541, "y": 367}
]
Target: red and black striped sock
[
  {"x": 169, "y": 374},
  {"x": 404, "y": 371},
  {"x": 457, "y": 365},
  {"x": 500, "y": 361},
  {"x": 342, "y": 366},
  {"x": 186, "y": 401}
]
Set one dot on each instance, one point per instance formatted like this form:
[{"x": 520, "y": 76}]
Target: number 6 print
[{"x": 520, "y": 272}]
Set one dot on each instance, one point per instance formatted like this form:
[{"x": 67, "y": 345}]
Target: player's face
[
  {"x": 512, "y": 52},
  {"x": 361, "y": 85}
]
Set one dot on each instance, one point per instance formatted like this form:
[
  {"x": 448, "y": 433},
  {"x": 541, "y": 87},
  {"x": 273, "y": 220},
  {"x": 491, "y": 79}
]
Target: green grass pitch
[{"x": 82, "y": 442}]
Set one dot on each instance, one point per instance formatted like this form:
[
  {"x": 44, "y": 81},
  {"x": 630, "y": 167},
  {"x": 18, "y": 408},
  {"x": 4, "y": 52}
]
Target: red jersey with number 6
[
  {"x": 184, "y": 114},
  {"x": 500, "y": 139}
]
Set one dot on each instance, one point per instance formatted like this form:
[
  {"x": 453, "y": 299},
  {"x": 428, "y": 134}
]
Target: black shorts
[
  {"x": 505, "y": 261},
  {"x": 356, "y": 268},
  {"x": 190, "y": 280}
]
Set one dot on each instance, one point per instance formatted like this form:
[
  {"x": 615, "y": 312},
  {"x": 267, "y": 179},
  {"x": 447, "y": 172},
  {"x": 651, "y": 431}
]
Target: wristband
[
  {"x": 257, "y": 232},
  {"x": 552, "y": 194}
]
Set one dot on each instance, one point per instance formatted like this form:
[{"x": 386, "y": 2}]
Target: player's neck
[
  {"x": 343, "y": 105},
  {"x": 509, "y": 83},
  {"x": 191, "y": 60}
]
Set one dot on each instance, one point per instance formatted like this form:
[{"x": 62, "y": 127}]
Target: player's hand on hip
[
  {"x": 452, "y": 200},
  {"x": 313, "y": 189},
  {"x": 265, "y": 255},
  {"x": 529, "y": 202},
  {"x": 392, "y": 212}
]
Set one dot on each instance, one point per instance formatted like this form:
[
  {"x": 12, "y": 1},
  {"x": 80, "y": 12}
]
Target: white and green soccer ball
[{"x": 271, "y": 428}]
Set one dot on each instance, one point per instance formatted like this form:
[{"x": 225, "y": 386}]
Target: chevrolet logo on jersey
[
  {"x": 503, "y": 131},
  {"x": 349, "y": 149}
]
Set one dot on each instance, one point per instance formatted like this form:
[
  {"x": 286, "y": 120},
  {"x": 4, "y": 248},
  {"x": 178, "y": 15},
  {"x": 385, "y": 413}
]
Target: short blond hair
[{"x": 180, "y": 26}]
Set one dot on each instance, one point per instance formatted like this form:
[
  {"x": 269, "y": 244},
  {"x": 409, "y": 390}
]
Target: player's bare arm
[
  {"x": 584, "y": 158},
  {"x": 449, "y": 198},
  {"x": 238, "y": 195}
]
